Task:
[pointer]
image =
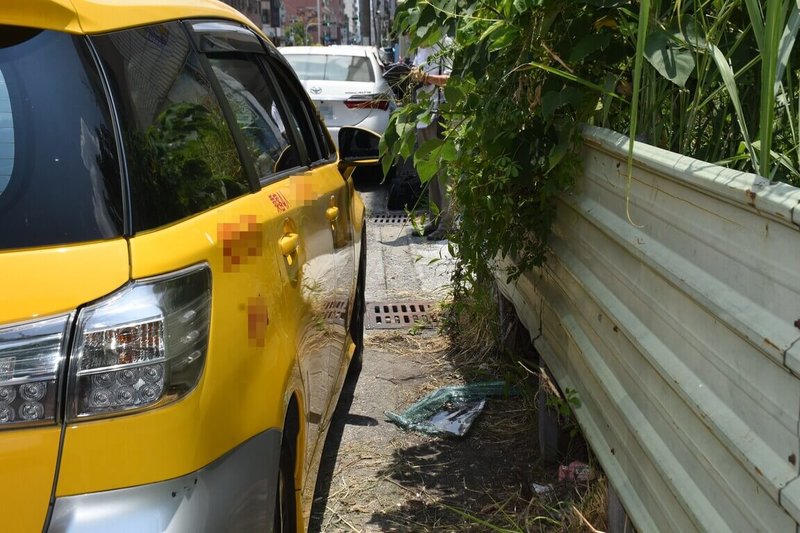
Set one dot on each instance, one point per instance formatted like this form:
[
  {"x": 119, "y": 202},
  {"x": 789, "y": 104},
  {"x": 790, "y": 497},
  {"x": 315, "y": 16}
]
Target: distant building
[
  {"x": 252, "y": 9},
  {"x": 341, "y": 21},
  {"x": 333, "y": 23},
  {"x": 266, "y": 14}
]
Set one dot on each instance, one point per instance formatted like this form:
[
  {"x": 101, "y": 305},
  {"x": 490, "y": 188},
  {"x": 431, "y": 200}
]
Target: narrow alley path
[{"x": 377, "y": 477}]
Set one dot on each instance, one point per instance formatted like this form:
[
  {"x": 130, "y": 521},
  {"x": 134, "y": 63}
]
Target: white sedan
[{"x": 346, "y": 83}]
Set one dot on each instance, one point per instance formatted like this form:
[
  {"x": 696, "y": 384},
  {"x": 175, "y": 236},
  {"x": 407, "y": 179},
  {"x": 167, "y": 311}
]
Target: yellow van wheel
[{"x": 285, "y": 516}]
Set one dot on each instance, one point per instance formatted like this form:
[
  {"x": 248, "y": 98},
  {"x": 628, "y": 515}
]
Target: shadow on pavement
[
  {"x": 341, "y": 418},
  {"x": 447, "y": 476}
]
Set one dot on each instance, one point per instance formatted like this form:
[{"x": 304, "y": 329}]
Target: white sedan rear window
[{"x": 331, "y": 67}]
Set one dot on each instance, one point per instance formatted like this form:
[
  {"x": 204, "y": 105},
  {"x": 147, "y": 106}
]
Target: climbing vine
[{"x": 512, "y": 111}]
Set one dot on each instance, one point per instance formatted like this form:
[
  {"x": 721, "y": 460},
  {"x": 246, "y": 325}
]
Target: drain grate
[
  {"x": 396, "y": 315},
  {"x": 390, "y": 218}
]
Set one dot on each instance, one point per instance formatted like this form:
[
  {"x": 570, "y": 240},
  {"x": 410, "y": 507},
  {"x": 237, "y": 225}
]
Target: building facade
[
  {"x": 331, "y": 28},
  {"x": 339, "y": 22}
]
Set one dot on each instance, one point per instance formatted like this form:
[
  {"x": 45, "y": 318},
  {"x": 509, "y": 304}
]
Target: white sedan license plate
[{"x": 326, "y": 110}]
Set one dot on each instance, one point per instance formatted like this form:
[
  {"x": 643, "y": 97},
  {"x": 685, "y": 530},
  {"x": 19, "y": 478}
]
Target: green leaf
[
  {"x": 756, "y": 22},
  {"x": 572, "y": 77},
  {"x": 427, "y": 14},
  {"x": 426, "y": 169},
  {"x": 433, "y": 36},
  {"x": 405, "y": 129},
  {"x": 609, "y": 83},
  {"x": 406, "y": 135},
  {"x": 552, "y": 100},
  {"x": 606, "y": 3},
  {"x": 521, "y": 5},
  {"x": 769, "y": 82},
  {"x": 503, "y": 38},
  {"x": 425, "y": 149},
  {"x": 453, "y": 93},
  {"x": 674, "y": 63},
  {"x": 638, "y": 62},
  {"x": 726, "y": 72},
  {"x": 431, "y": 155},
  {"x": 491, "y": 29},
  {"x": 448, "y": 152},
  {"x": 589, "y": 44},
  {"x": 390, "y": 135},
  {"x": 787, "y": 40}
]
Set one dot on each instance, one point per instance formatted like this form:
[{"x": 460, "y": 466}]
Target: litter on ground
[{"x": 449, "y": 410}]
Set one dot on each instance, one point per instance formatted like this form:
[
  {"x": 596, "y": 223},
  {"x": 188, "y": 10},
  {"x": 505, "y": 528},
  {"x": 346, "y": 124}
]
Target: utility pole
[
  {"x": 376, "y": 22},
  {"x": 319, "y": 21},
  {"x": 365, "y": 19}
]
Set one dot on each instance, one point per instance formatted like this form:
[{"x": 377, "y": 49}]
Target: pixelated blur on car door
[{"x": 284, "y": 151}]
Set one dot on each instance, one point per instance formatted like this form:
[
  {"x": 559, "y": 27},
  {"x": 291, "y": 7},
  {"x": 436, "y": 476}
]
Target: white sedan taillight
[
  {"x": 141, "y": 347},
  {"x": 30, "y": 363}
]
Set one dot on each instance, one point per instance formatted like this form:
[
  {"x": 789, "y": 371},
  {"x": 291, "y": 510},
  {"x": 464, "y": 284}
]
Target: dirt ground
[
  {"x": 377, "y": 477},
  {"x": 382, "y": 478}
]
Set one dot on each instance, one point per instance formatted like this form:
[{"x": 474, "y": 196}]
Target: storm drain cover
[
  {"x": 396, "y": 315},
  {"x": 390, "y": 218}
]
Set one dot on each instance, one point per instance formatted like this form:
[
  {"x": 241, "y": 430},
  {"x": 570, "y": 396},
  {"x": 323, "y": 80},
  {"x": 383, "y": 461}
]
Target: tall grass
[{"x": 717, "y": 80}]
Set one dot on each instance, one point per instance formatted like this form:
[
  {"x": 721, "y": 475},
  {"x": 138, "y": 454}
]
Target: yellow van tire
[
  {"x": 285, "y": 520},
  {"x": 285, "y": 516}
]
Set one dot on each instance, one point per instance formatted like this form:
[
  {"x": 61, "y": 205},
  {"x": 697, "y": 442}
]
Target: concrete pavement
[{"x": 401, "y": 265}]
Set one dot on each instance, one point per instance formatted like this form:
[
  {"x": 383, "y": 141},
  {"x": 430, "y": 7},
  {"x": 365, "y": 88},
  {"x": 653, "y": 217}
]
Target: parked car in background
[
  {"x": 182, "y": 257},
  {"x": 346, "y": 83}
]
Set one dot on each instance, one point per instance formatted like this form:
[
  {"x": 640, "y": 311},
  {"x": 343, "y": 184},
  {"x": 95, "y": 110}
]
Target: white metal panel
[{"x": 669, "y": 303}]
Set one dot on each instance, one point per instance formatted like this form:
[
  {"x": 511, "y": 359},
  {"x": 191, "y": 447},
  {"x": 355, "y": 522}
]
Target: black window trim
[
  {"x": 235, "y": 26},
  {"x": 127, "y": 208}
]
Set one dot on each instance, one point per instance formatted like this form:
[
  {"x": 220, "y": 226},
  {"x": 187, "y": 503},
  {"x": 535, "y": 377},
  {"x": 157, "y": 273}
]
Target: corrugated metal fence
[{"x": 671, "y": 304}]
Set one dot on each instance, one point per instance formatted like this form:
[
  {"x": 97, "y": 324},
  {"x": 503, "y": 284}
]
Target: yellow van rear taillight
[
  {"x": 30, "y": 363},
  {"x": 141, "y": 347}
]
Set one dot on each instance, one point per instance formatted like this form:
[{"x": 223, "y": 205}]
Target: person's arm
[{"x": 439, "y": 80}]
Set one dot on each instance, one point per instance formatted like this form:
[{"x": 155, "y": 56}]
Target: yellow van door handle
[
  {"x": 332, "y": 213},
  {"x": 288, "y": 243}
]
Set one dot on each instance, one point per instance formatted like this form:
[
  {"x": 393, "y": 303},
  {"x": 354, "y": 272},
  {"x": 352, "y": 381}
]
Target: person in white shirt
[{"x": 432, "y": 69}]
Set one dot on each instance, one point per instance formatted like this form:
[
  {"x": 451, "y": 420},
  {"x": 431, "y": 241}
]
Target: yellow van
[{"x": 182, "y": 264}]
